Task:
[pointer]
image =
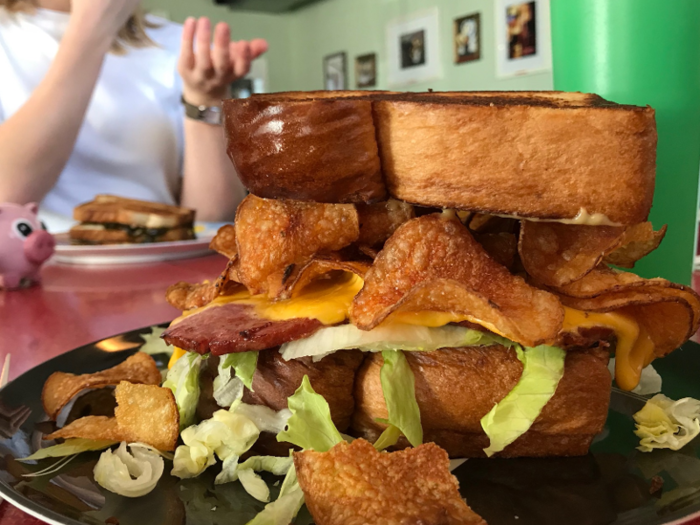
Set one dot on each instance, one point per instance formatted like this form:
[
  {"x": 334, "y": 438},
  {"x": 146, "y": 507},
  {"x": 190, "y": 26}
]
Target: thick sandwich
[
  {"x": 117, "y": 220},
  {"x": 438, "y": 265}
]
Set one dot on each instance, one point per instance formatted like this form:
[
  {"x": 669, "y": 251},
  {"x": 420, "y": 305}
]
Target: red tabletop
[{"x": 76, "y": 305}]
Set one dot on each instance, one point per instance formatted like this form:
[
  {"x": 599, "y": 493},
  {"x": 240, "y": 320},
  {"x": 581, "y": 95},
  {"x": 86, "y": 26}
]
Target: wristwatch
[{"x": 207, "y": 114}]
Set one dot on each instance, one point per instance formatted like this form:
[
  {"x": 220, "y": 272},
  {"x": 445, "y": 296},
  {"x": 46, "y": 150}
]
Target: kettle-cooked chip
[
  {"x": 669, "y": 312},
  {"x": 274, "y": 234},
  {"x": 557, "y": 254},
  {"x": 433, "y": 263},
  {"x": 378, "y": 221},
  {"x": 637, "y": 242},
  {"x": 185, "y": 296},
  {"x": 289, "y": 282},
  {"x": 224, "y": 242},
  {"x": 61, "y": 387},
  {"x": 502, "y": 247},
  {"x": 354, "y": 484},
  {"x": 144, "y": 414}
]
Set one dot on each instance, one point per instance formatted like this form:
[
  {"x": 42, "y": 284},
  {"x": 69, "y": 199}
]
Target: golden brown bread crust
[
  {"x": 456, "y": 387},
  {"x": 523, "y": 160},
  {"x": 88, "y": 235},
  {"x": 529, "y": 154},
  {"x": 133, "y": 212},
  {"x": 353, "y": 484},
  {"x": 313, "y": 150}
]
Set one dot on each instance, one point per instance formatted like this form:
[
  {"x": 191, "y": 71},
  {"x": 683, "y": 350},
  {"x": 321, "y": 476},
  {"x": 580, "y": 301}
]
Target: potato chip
[
  {"x": 637, "y": 242},
  {"x": 670, "y": 313},
  {"x": 144, "y": 414},
  {"x": 224, "y": 242},
  {"x": 148, "y": 414},
  {"x": 378, "y": 221},
  {"x": 558, "y": 254},
  {"x": 356, "y": 484},
  {"x": 273, "y": 235},
  {"x": 433, "y": 263},
  {"x": 290, "y": 281},
  {"x": 186, "y": 296},
  {"x": 60, "y": 387}
]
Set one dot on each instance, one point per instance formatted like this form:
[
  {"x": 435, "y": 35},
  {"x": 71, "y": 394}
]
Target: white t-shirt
[{"x": 131, "y": 142}]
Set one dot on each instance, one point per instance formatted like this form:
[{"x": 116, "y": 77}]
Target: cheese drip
[
  {"x": 634, "y": 349},
  {"x": 327, "y": 300}
]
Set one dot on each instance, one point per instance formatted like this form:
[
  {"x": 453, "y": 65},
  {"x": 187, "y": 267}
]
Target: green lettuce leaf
[
  {"x": 310, "y": 426},
  {"x": 398, "y": 385},
  {"x": 543, "y": 367},
  {"x": 665, "y": 423},
  {"x": 278, "y": 466},
  {"x": 389, "y": 337},
  {"x": 183, "y": 380},
  {"x": 70, "y": 447},
  {"x": 254, "y": 485},
  {"x": 244, "y": 364},
  {"x": 284, "y": 509}
]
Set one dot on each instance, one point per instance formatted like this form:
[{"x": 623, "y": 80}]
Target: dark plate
[{"x": 614, "y": 484}]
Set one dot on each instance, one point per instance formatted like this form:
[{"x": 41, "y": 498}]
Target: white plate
[{"x": 111, "y": 254}]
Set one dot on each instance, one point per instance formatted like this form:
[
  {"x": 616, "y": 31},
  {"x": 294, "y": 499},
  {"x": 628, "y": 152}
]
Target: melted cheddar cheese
[{"x": 634, "y": 349}]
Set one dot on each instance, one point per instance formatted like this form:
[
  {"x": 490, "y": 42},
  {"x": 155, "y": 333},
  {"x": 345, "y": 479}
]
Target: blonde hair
[{"x": 133, "y": 34}]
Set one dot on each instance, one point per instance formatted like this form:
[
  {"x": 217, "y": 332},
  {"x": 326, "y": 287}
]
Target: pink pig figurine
[{"x": 24, "y": 245}]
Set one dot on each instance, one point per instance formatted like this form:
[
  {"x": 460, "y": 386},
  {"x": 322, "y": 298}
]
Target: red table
[{"x": 77, "y": 305}]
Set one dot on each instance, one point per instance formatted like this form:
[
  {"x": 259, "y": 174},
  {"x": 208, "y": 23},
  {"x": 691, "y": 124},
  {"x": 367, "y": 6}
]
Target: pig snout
[{"x": 39, "y": 246}]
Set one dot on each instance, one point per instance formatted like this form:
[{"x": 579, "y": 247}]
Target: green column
[{"x": 644, "y": 52}]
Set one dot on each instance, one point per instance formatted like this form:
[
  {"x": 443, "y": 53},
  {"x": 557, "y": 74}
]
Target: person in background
[{"x": 93, "y": 97}]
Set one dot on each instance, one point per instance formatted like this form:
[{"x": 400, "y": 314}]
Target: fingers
[
  {"x": 257, "y": 47},
  {"x": 186, "y": 60},
  {"x": 221, "y": 55},
  {"x": 203, "y": 51},
  {"x": 241, "y": 57}
]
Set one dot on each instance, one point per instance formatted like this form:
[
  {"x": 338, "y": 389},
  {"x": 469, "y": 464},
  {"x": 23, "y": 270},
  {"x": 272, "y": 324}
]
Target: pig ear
[{"x": 32, "y": 207}]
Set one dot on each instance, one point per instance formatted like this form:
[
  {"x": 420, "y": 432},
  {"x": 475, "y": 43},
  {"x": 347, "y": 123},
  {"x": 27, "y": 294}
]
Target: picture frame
[
  {"x": 335, "y": 71},
  {"x": 523, "y": 37},
  {"x": 413, "y": 48},
  {"x": 467, "y": 38},
  {"x": 366, "y": 70}
]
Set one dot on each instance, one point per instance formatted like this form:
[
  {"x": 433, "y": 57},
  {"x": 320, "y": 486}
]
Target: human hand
[
  {"x": 209, "y": 70},
  {"x": 104, "y": 16}
]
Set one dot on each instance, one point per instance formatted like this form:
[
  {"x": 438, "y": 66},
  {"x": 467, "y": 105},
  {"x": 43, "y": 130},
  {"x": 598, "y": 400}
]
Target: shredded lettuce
[
  {"x": 70, "y": 447},
  {"x": 278, "y": 466},
  {"x": 665, "y": 423},
  {"x": 244, "y": 364},
  {"x": 153, "y": 344},
  {"x": 284, "y": 509},
  {"x": 310, "y": 426},
  {"x": 225, "y": 435},
  {"x": 386, "y": 337},
  {"x": 543, "y": 367},
  {"x": 227, "y": 388},
  {"x": 266, "y": 419},
  {"x": 183, "y": 380},
  {"x": 398, "y": 385},
  {"x": 254, "y": 485},
  {"x": 132, "y": 474}
]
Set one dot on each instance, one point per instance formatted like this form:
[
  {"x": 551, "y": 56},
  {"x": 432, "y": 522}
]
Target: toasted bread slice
[
  {"x": 545, "y": 155},
  {"x": 456, "y": 387},
  {"x": 98, "y": 234},
  {"x": 354, "y": 484},
  {"x": 132, "y": 212}
]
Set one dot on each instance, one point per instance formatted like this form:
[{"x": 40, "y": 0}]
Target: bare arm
[
  {"x": 210, "y": 184},
  {"x": 36, "y": 142}
]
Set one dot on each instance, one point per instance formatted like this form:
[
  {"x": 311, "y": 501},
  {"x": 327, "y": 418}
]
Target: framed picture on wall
[
  {"x": 413, "y": 48},
  {"x": 467, "y": 38},
  {"x": 335, "y": 71},
  {"x": 523, "y": 37},
  {"x": 366, "y": 70}
]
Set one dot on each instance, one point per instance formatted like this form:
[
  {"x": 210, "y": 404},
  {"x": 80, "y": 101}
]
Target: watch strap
[{"x": 207, "y": 114}]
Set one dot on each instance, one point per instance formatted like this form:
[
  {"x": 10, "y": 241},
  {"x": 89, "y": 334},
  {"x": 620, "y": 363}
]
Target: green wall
[{"x": 299, "y": 40}]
